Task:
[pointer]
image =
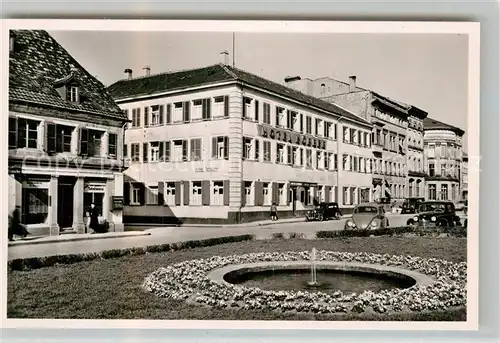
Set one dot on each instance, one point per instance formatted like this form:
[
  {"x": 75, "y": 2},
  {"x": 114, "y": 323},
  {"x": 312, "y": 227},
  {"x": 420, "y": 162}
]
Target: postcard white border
[{"x": 472, "y": 29}]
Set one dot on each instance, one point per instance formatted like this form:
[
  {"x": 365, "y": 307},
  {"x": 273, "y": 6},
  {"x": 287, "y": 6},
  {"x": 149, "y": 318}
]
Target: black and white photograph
[{"x": 227, "y": 174}]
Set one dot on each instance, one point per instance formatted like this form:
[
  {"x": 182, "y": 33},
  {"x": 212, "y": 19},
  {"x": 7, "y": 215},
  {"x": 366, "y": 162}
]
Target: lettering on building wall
[
  {"x": 206, "y": 170},
  {"x": 94, "y": 188},
  {"x": 290, "y": 137}
]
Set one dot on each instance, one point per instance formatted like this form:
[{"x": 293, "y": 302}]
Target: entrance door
[{"x": 65, "y": 205}]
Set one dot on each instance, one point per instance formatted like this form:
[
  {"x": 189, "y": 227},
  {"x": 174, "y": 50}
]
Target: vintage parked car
[
  {"x": 324, "y": 211},
  {"x": 410, "y": 205},
  {"x": 435, "y": 214},
  {"x": 369, "y": 216}
]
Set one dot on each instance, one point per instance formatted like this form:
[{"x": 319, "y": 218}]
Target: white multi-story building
[
  {"x": 220, "y": 144},
  {"x": 65, "y": 139}
]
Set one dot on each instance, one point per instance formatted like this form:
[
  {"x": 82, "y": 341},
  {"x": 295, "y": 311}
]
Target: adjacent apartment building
[
  {"x": 65, "y": 139},
  {"x": 444, "y": 158},
  {"x": 218, "y": 144},
  {"x": 396, "y": 137}
]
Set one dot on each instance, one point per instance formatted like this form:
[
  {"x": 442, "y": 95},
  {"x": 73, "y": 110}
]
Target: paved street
[{"x": 178, "y": 234}]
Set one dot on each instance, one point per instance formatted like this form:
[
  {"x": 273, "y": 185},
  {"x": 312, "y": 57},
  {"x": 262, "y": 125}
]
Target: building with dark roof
[
  {"x": 443, "y": 149},
  {"x": 65, "y": 138},
  {"x": 221, "y": 144},
  {"x": 397, "y": 136}
]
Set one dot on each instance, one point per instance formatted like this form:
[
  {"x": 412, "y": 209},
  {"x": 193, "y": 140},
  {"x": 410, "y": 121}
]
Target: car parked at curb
[
  {"x": 435, "y": 214},
  {"x": 368, "y": 216},
  {"x": 324, "y": 211}
]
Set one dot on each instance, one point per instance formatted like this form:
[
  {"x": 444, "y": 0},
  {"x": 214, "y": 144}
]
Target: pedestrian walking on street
[
  {"x": 15, "y": 225},
  {"x": 274, "y": 212}
]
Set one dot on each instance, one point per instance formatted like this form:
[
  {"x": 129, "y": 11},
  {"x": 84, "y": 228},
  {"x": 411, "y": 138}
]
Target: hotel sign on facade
[{"x": 286, "y": 136}]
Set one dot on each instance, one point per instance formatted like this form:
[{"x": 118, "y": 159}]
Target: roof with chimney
[
  {"x": 38, "y": 65},
  {"x": 212, "y": 75},
  {"x": 433, "y": 124}
]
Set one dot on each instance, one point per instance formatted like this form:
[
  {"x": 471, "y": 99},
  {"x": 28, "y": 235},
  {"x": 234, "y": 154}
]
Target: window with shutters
[
  {"x": 179, "y": 151},
  {"x": 295, "y": 126},
  {"x": 267, "y": 151},
  {"x": 90, "y": 142},
  {"x": 135, "y": 194},
  {"x": 178, "y": 117},
  {"x": 136, "y": 117},
  {"x": 220, "y": 147},
  {"x": 318, "y": 130},
  {"x": 247, "y": 106},
  {"x": 280, "y": 116},
  {"x": 155, "y": 115},
  {"x": 257, "y": 149},
  {"x": 247, "y": 147},
  {"x": 135, "y": 152},
  {"x": 112, "y": 137},
  {"x": 23, "y": 133},
  {"x": 282, "y": 196},
  {"x": 308, "y": 125},
  {"x": 197, "y": 109},
  {"x": 267, "y": 113},
  {"x": 219, "y": 106},
  {"x": 152, "y": 195},
  {"x": 266, "y": 193},
  {"x": 206, "y": 111},
  {"x": 346, "y": 136},
  {"x": 328, "y": 130},
  {"x": 280, "y": 153},
  {"x": 196, "y": 149},
  {"x": 169, "y": 193},
  {"x": 329, "y": 161},
  {"x": 345, "y": 162},
  {"x": 63, "y": 138},
  {"x": 195, "y": 198},
  {"x": 249, "y": 198},
  {"x": 154, "y": 149},
  {"x": 217, "y": 193},
  {"x": 355, "y": 166}
]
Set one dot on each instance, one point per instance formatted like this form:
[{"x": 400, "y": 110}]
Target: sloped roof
[
  {"x": 38, "y": 62},
  {"x": 433, "y": 124},
  {"x": 150, "y": 85}
]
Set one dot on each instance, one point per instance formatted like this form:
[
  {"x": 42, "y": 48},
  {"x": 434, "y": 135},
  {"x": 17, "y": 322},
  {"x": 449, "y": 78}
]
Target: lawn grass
[{"x": 111, "y": 288}]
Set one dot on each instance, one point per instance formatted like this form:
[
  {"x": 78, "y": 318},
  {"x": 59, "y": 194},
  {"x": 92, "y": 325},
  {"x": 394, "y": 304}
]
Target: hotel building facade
[
  {"x": 65, "y": 139},
  {"x": 444, "y": 159},
  {"x": 396, "y": 138},
  {"x": 218, "y": 144}
]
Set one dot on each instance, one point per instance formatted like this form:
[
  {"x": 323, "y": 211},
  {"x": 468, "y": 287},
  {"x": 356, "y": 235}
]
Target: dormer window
[{"x": 73, "y": 94}]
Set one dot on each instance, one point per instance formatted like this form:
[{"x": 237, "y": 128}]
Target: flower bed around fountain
[{"x": 192, "y": 281}]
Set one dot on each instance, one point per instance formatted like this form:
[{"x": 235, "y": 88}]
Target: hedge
[
  {"x": 40, "y": 262},
  {"x": 391, "y": 231}
]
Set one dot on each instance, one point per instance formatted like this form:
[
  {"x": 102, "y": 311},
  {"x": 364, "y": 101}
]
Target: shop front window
[
  {"x": 96, "y": 199},
  {"x": 35, "y": 205}
]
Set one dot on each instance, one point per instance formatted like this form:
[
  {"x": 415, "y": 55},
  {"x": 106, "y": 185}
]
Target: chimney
[
  {"x": 225, "y": 57},
  {"x": 289, "y": 79},
  {"x": 352, "y": 83},
  {"x": 128, "y": 74},
  {"x": 147, "y": 71}
]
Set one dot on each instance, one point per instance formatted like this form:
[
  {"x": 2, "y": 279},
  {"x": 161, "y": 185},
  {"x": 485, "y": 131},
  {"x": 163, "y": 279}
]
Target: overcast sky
[{"x": 429, "y": 71}]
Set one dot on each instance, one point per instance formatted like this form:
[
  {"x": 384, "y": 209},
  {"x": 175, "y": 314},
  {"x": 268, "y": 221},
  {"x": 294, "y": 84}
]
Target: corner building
[
  {"x": 444, "y": 161},
  {"x": 218, "y": 144},
  {"x": 65, "y": 139}
]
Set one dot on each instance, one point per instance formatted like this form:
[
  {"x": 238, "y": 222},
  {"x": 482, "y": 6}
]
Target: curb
[{"x": 34, "y": 241}]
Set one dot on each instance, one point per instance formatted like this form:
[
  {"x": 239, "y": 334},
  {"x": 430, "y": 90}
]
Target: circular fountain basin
[{"x": 347, "y": 277}]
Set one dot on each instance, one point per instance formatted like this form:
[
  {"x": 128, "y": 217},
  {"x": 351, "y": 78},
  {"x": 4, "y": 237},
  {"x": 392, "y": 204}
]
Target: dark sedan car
[
  {"x": 368, "y": 216},
  {"x": 435, "y": 214},
  {"x": 324, "y": 211}
]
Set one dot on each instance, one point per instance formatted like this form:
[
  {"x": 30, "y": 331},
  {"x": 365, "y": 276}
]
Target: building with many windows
[
  {"x": 65, "y": 139},
  {"x": 465, "y": 174},
  {"x": 443, "y": 160},
  {"x": 220, "y": 144},
  {"x": 396, "y": 138}
]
